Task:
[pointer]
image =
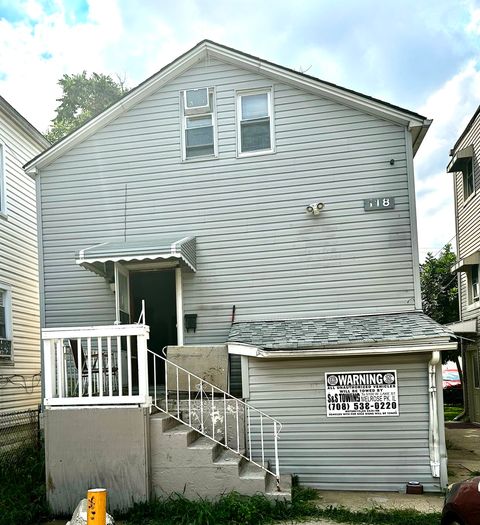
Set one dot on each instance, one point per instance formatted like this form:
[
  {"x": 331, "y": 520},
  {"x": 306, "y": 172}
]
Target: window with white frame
[
  {"x": 255, "y": 122},
  {"x": 473, "y": 285},
  {"x": 3, "y": 182},
  {"x": 199, "y": 137},
  {"x": 5, "y": 324},
  {"x": 468, "y": 178}
]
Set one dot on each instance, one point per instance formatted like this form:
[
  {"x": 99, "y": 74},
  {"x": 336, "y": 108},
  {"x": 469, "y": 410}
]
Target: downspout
[
  {"x": 463, "y": 416},
  {"x": 433, "y": 431}
]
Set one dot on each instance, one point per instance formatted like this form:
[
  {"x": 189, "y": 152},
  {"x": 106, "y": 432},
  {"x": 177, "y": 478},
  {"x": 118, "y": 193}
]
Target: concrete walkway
[{"x": 463, "y": 444}]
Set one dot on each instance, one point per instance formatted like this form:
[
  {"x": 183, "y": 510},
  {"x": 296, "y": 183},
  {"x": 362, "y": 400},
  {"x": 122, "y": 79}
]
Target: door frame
[
  {"x": 124, "y": 270},
  {"x": 121, "y": 270}
]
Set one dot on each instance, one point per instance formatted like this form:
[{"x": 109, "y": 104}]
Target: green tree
[
  {"x": 83, "y": 98},
  {"x": 439, "y": 292}
]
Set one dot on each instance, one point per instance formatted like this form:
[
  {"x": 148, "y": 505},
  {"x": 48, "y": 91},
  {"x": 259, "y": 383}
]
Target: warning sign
[{"x": 372, "y": 393}]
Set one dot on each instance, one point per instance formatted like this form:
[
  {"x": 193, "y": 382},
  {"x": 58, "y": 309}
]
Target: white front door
[{"x": 122, "y": 295}]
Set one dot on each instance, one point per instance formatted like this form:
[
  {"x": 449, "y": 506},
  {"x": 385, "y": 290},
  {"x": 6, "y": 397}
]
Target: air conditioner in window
[{"x": 197, "y": 101}]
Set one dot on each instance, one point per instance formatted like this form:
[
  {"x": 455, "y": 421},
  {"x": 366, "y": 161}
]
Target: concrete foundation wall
[{"x": 96, "y": 447}]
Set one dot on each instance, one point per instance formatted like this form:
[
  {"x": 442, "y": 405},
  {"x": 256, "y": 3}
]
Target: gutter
[
  {"x": 433, "y": 431},
  {"x": 253, "y": 351}
]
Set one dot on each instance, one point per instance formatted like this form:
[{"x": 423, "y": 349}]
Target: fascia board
[
  {"x": 317, "y": 87},
  {"x": 138, "y": 94}
]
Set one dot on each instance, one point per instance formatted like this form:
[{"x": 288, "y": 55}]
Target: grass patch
[
  {"x": 452, "y": 411},
  {"x": 257, "y": 510},
  {"x": 22, "y": 488}
]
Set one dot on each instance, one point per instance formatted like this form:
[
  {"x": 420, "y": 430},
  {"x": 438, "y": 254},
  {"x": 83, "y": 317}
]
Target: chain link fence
[{"x": 18, "y": 429}]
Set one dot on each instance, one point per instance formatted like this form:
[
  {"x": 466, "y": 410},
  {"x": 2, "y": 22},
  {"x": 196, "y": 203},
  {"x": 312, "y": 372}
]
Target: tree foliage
[
  {"x": 439, "y": 290},
  {"x": 83, "y": 98}
]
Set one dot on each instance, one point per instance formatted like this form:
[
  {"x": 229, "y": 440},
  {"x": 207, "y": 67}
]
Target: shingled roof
[{"x": 327, "y": 332}]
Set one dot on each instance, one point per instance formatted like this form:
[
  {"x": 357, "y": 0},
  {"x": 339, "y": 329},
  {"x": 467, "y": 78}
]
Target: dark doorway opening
[{"x": 157, "y": 289}]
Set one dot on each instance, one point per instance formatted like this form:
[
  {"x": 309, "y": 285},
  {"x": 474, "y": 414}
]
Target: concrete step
[
  {"x": 281, "y": 493},
  {"x": 228, "y": 458},
  {"x": 180, "y": 436},
  {"x": 185, "y": 462},
  {"x": 253, "y": 476},
  {"x": 165, "y": 420},
  {"x": 205, "y": 447}
]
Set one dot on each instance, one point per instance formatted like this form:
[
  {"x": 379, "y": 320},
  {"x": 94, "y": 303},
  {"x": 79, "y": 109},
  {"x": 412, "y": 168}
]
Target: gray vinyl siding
[
  {"x": 256, "y": 247},
  {"x": 364, "y": 453},
  {"x": 20, "y": 376}
]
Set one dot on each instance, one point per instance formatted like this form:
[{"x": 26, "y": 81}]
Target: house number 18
[{"x": 379, "y": 203}]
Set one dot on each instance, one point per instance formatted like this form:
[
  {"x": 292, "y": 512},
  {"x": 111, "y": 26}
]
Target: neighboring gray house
[
  {"x": 19, "y": 303},
  {"x": 263, "y": 211},
  {"x": 465, "y": 165}
]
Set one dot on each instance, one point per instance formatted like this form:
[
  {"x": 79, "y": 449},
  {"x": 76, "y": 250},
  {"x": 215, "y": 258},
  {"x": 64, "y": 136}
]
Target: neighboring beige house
[
  {"x": 465, "y": 165},
  {"x": 19, "y": 291}
]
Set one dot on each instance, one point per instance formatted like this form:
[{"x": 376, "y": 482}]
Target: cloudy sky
[{"x": 422, "y": 55}]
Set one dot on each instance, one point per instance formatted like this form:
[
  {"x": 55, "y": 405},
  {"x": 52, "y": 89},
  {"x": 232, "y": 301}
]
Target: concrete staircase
[{"x": 185, "y": 462}]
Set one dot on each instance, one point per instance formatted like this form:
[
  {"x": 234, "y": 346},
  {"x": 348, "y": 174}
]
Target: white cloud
[
  {"x": 451, "y": 107},
  {"x": 30, "y": 82}
]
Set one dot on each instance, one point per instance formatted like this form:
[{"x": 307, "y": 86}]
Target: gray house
[
  {"x": 260, "y": 224},
  {"x": 465, "y": 166}
]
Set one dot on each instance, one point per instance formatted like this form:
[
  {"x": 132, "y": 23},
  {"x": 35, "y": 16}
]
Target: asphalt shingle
[{"x": 337, "y": 331}]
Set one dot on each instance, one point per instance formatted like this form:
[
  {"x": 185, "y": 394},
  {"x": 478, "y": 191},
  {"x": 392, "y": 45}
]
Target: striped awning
[
  {"x": 459, "y": 159},
  {"x": 141, "y": 249}
]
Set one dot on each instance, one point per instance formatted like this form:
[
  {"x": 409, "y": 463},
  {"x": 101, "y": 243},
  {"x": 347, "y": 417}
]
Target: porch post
[
  {"x": 179, "y": 298},
  {"x": 48, "y": 369}
]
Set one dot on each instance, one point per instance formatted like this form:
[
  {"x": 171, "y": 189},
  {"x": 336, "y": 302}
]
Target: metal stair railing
[{"x": 213, "y": 412}]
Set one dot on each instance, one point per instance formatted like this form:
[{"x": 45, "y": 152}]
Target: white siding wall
[
  {"x": 363, "y": 453},
  {"x": 257, "y": 249},
  {"x": 20, "y": 377}
]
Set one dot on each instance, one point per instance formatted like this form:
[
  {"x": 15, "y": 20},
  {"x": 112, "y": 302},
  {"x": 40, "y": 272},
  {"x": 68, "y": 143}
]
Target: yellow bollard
[{"x": 97, "y": 507}]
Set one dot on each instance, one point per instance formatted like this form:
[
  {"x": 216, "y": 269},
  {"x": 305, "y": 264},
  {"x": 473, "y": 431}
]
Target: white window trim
[
  {"x": 3, "y": 180},
  {"x": 184, "y": 118},
  {"x": 238, "y": 107},
  {"x": 7, "y": 290}
]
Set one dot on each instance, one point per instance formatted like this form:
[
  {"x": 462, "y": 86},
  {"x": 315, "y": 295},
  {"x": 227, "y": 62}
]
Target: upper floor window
[
  {"x": 255, "y": 122},
  {"x": 199, "y": 137},
  {"x": 5, "y": 323},
  {"x": 3, "y": 182},
  {"x": 468, "y": 178},
  {"x": 474, "y": 286},
  {"x": 462, "y": 162}
]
